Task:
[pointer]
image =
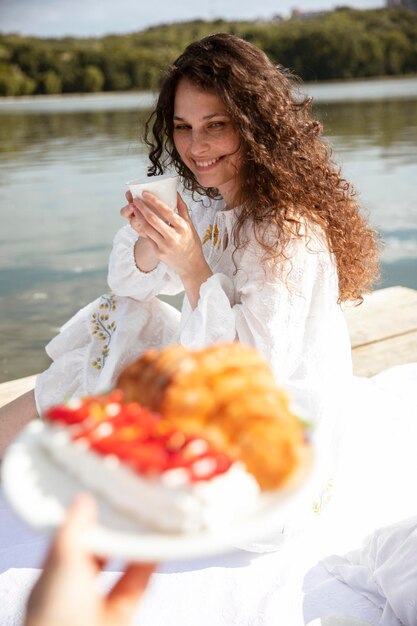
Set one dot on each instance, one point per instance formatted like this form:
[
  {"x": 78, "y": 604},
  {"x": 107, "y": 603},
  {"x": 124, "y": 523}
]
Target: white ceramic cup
[{"x": 164, "y": 187}]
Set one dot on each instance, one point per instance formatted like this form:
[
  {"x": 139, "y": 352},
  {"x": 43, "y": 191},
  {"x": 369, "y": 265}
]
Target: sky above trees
[{"x": 98, "y": 17}]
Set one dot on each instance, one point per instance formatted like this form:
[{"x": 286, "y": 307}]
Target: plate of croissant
[{"x": 192, "y": 453}]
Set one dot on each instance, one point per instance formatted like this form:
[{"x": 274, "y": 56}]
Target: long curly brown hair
[{"x": 287, "y": 176}]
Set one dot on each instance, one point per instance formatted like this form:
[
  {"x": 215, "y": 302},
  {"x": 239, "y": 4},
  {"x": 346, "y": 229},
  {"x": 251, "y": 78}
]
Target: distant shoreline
[
  {"x": 81, "y": 94},
  {"x": 146, "y": 93},
  {"x": 323, "y": 92}
]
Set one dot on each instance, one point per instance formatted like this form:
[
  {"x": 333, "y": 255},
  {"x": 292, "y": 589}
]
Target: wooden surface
[
  {"x": 383, "y": 332},
  {"x": 14, "y": 388}
]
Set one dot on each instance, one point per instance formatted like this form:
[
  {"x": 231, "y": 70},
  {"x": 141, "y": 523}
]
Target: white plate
[{"x": 40, "y": 491}]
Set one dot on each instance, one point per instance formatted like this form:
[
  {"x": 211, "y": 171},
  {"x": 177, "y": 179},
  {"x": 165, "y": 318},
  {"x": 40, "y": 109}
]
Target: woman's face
[{"x": 206, "y": 139}]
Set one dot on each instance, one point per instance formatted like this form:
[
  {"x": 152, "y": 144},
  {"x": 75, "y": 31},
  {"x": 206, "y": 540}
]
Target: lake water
[{"x": 64, "y": 162}]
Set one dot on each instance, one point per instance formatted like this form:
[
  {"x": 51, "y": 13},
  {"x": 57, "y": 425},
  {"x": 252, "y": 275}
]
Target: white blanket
[
  {"x": 284, "y": 587},
  {"x": 384, "y": 571},
  {"x": 289, "y": 586}
]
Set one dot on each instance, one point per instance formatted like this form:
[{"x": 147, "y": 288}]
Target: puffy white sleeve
[{"x": 124, "y": 277}]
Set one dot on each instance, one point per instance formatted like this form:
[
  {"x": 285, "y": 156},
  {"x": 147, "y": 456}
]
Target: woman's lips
[{"x": 206, "y": 165}]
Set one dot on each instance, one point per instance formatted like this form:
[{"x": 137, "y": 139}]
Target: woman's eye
[
  {"x": 181, "y": 127},
  {"x": 216, "y": 124}
]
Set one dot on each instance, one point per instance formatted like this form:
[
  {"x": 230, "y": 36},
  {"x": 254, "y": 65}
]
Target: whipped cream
[{"x": 169, "y": 501}]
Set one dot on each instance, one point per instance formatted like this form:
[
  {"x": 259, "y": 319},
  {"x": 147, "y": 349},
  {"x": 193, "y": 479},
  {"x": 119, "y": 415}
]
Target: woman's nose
[{"x": 199, "y": 143}]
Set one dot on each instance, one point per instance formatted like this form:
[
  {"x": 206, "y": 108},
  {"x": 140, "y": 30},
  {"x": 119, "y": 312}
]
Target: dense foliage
[{"x": 345, "y": 43}]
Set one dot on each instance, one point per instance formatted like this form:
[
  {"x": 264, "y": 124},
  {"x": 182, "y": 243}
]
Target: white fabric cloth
[
  {"x": 375, "y": 489},
  {"x": 291, "y": 586},
  {"x": 291, "y": 316},
  {"x": 239, "y": 589},
  {"x": 384, "y": 571}
]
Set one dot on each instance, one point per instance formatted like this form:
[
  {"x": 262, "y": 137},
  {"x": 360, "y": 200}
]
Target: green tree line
[{"x": 345, "y": 43}]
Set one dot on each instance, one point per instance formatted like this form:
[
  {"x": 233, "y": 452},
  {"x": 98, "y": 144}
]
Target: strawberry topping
[{"x": 141, "y": 439}]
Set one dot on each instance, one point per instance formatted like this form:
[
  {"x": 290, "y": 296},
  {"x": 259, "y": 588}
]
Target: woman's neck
[{"x": 229, "y": 196}]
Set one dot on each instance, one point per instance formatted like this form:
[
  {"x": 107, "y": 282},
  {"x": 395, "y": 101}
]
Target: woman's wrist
[
  {"x": 192, "y": 282},
  {"x": 145, "y": 259},
  {"x": 195, "y": 270}
]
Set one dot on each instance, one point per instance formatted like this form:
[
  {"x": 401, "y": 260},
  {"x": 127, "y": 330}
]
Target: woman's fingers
[
  {"x": 165, "y": 213},
  {"x": 123, "y": 598},
  {"x": 153, "y": 219},
  {"x": 147, "y": 227},
  {"x": 183, "y": 209},
  {"x": 134, "y": 217},
  {"x": 81, "y": 515},
  {"x": 156, "y": 221},
  {"x": 126, "y": 211},
  {"x": 152, "y": 234}
]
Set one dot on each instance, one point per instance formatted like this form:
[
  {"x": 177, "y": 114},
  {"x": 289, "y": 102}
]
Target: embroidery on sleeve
[{"x": 102, "y": 328}]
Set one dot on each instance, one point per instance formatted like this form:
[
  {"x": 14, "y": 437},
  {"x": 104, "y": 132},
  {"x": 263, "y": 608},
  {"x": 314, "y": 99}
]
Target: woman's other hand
[
  {"x": 130, "y": 212},
  {"x": 66, "y": 592},
  {"x": 145, "y": 253}
]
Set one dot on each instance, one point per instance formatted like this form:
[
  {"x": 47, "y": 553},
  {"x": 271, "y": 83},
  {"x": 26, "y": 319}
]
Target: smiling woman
[{"x": 272, "y": 243}]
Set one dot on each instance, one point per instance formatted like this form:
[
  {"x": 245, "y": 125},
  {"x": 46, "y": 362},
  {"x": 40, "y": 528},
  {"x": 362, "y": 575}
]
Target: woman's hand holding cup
[
  {"x": 147, "y": 253},
  {"x": 166, "y": 235},
  {"x": 176, "y": 241},
  {"x": 173, "y": 234}
]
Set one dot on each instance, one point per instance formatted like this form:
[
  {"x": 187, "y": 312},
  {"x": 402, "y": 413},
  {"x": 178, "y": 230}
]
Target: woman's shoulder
[
  {"x": 308, "y": 234},
  {"x": 297, "y": 234},
  {"x": 302, "y": 255}
]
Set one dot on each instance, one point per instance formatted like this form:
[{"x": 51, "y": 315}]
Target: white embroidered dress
[
  {"x": 302, "y": 332},
  {"x": 294, "y": 320}
]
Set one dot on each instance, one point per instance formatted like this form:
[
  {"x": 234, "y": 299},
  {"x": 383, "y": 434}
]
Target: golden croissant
[{"x": 228, "y": 393}]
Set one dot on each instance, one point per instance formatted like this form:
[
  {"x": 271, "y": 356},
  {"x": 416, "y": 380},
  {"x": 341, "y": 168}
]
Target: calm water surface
[{"x": 64, "y": 162}]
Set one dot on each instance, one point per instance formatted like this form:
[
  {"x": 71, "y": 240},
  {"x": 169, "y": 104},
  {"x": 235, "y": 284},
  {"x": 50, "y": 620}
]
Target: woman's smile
[{"x": 207, "y": 164}]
